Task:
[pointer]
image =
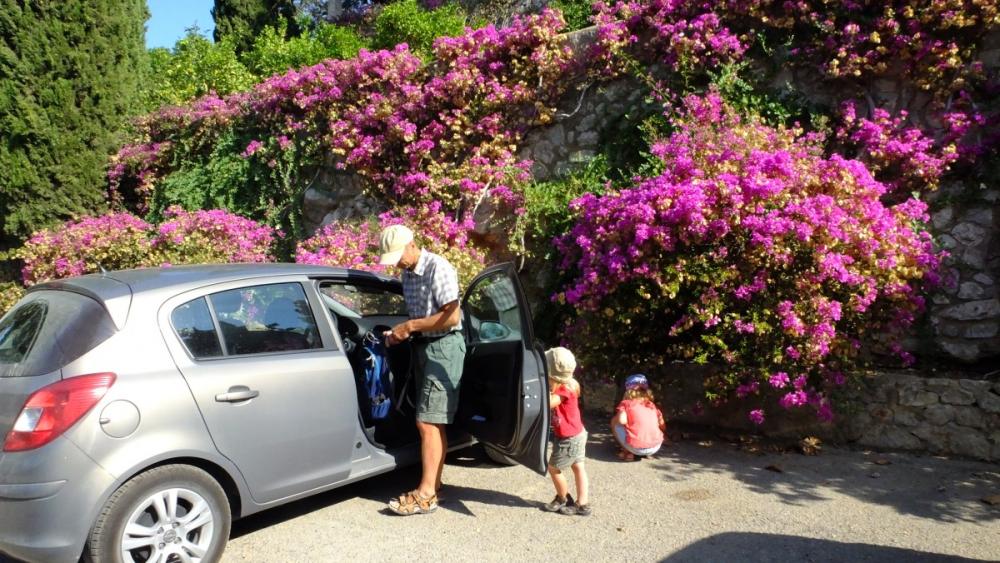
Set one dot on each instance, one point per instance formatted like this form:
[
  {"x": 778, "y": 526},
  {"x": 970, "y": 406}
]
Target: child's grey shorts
[{"x": 567, "y": 451}]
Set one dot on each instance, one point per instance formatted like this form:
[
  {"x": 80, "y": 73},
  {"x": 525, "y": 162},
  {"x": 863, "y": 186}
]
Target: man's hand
[{"x": 399, "y": 333}]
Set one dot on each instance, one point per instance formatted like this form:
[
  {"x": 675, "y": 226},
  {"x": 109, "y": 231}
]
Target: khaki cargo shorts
[{"x": 438, "y": 373}]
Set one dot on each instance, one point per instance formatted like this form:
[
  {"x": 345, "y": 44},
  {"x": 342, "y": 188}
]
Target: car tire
[
  {"x": 498, "y": 457},
  {"x": 199, "y": 525}
]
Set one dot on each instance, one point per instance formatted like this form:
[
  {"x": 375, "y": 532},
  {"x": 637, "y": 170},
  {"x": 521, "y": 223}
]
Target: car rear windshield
[{"x": 49, "y": 329}]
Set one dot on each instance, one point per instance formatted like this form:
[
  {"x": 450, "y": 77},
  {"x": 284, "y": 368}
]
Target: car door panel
[
  {"x": 286, "y": 419},
  {"x": 504, "y": 393}
]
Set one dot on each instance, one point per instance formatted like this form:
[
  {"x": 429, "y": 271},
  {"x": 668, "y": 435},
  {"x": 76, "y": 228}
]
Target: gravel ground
[{"x": 697, "y": 500}]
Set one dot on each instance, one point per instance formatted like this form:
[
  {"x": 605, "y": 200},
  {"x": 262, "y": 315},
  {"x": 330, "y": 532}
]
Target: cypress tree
[
  {"x": 70, "y": 73},
  {"x": 243, "y": 20}
]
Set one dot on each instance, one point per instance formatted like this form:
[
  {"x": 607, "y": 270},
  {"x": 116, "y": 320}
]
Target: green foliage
[
  {"x": 10, "y": 294},
  {"x": 272, "y": 53},
  {"x": 195, "y": 67},
  {"x": 243, "y": 20},
  {"x": 210, "y": 183},
  {"x": 406, "y": 22},
  {"x": 576, "y": 13},
  {"x": 70, "y": 74},
  {"x": 734, "y": 84},
  {"x": 547, "y": 212}
]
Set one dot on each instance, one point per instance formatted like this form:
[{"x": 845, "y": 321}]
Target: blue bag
[{"x": 377, "y": 381}]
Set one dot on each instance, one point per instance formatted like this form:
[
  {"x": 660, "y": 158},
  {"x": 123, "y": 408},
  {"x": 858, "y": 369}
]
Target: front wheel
[
  {"x": 172, "y": 513},
  {"x": 498, "y": 457}
]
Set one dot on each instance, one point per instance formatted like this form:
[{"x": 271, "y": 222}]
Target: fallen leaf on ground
[
  {"x": 810, "y": 445},
  {"x": 705, "y": 443},
  {"x": 882, "y": 461},
  {"x": 775, "y": 468},
  {"x": 992, "y": 500}
]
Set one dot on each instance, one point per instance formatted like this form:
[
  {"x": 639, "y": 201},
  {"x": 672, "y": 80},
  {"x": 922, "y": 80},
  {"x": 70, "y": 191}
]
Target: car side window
[
  {"x": 361, "y": 301},
  {"x": 492, "y": 307},
  {"x": 266, "y": 318},
  {"x": 193, "y": 323}
]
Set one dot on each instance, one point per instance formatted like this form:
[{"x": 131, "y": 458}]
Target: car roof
[{"x": 117, "y": 288}]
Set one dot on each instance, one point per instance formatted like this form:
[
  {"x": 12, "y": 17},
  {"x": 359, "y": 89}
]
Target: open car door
[{"x": 504, "y": 395}]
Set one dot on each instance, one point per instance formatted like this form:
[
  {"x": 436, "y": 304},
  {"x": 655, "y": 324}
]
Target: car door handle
[{"x": 237, "y": 394}]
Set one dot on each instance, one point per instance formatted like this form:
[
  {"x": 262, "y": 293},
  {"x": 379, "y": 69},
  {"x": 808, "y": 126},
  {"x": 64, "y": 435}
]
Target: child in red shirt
[
  {"x": 569, "y": 441},
  {"x": 637, "y": 425}
]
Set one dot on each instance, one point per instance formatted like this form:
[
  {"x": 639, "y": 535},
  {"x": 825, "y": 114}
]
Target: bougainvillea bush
[
  {"x": 751, "y": 251},
  {"x": 120, "y": 241},
  {"x": 437, "y": 138}
]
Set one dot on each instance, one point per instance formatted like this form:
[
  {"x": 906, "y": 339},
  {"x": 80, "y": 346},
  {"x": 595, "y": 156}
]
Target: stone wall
[{"x": 889, "y": 410}]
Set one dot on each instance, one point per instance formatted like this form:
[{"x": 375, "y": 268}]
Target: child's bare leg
[
  {"x": 559, "y": 480},
  {"x": 582, "y": 485}
]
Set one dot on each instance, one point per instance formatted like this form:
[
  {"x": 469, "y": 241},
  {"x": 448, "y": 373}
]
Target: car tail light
[{"x": 53, "y": 409}]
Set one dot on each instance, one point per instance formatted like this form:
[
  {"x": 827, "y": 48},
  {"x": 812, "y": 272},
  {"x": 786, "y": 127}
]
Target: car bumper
[{"x": 44, "y": 518}]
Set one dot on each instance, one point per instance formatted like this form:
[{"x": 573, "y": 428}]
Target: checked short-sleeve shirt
[{"x": 432, "y": 284}]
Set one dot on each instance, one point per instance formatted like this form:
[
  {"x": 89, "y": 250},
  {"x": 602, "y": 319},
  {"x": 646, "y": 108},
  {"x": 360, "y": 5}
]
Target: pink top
[
  {"x": 643, "y": 427},
  {"x": 566, "y": 420}
]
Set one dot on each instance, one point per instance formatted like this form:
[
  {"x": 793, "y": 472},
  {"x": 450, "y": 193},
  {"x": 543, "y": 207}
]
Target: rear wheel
[{"x": 169, "y": 514}]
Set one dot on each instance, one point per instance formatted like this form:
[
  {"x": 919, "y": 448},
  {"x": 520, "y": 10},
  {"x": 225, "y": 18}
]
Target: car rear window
[{"x": 48, "y": 329}]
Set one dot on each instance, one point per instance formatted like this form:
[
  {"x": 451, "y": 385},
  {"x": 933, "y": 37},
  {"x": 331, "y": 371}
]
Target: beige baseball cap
[{"x": 392, "y": 242}]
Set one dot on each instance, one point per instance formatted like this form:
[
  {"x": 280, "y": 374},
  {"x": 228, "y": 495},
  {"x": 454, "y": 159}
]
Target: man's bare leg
[{"x": 432, "y": 447}]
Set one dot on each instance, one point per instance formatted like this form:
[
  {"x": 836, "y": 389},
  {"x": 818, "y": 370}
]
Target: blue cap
[{"x": 636, "y": 381}]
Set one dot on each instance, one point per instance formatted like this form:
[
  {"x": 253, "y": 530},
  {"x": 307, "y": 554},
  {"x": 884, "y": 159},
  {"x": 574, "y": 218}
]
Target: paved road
[{"x": 693, "y": 502}]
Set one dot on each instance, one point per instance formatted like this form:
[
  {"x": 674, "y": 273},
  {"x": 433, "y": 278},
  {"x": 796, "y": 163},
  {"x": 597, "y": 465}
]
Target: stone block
[
  {"x": 939, "y": 384},
  {"x": 976, "y": 387},
  {"x": 543, "y": 151},
  {"x": 942, "y": 218},
  {"x": 935, "y": 438},
  {"x": 965, "y": 351},
  {"x": 947, "y": 242},
  {"x": 971, "y": 290},
  {"x": 980, "y": 216},
  {"x": 939, "y": 415},
  {"x": 973, "y": 310},
  {"x": 587, "y": 123},
  {"x": 969, "y": 442},
  {"x": 983, "y": 279},
  {"x": 957, "y": 396},
  {"x": 556, "y": 134},
  {"x": 989, "y": 402},
  {"x": 911, "y": 395},
  {"x": 970, "y": 416},
  {"x": 905, "y": 417},
  {"x": 898, "y": 439},
  {"x": 975, "y": 257},
  {"x": 880, "y": 413},
  {"x": 940, "y": 299},
  {"x": 980, "y": 330},
  {"x": 588, "y": 139}
]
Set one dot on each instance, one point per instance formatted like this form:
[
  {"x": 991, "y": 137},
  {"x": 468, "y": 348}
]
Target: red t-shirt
[
  {"x": 566, "y": 421},
  {"x": 643, "y": 427}
]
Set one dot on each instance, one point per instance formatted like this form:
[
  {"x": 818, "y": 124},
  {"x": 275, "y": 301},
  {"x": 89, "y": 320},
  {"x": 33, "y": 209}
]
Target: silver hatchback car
[{"x": 142, "y": 410}]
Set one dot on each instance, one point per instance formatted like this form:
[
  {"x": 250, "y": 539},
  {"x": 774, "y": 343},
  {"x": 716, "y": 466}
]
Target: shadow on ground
[
  {"x": 948, "y": 490},
  {"x": 761, "y": 548},
  {"x": 383, "y": 487}
]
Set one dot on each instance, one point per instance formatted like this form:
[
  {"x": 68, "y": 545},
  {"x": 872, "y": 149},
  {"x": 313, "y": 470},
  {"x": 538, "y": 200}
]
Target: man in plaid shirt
[{"x": 430, "y": 288}]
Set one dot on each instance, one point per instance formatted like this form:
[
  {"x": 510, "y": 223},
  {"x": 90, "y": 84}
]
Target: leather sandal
[{"x": 413, "y": 503}]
